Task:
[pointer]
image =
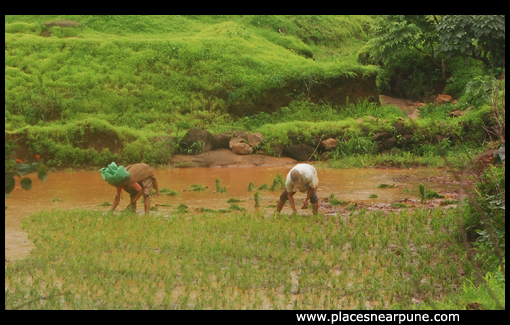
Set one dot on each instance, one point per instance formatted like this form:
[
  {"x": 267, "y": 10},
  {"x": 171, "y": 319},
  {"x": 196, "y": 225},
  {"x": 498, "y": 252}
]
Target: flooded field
[{"x": 87, "y": 190}]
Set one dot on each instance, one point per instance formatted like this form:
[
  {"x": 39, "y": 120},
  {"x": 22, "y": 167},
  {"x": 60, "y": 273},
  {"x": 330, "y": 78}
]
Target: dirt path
[{"x": 408, "y": 106}]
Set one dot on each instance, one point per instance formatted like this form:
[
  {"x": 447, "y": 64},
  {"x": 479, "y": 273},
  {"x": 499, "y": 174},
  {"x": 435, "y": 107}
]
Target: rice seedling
[
  {"x": 406, "y": 190},
  {"x": 197, "y": 188},
  {"x": 278, "y": 183},
  {"x": 168, "y": 192},
  {"x": 256, "y": 199},
  {"x": 234, "y": 200},
  {"x": 236, "y": 207},
  {"x": 163, "y": 205},
  {"x": 398, "y": 205},
  {"x": 448, "y": 202},
  {"x": 232, "y": 261},
  {"x": 386, "y": 186},
  {"x": 219, "y": 189},
  {"x": 334, "y": 201},
  {"x": 182, "y": 208},
  {"x": 263, "y": 187},
  {"x": 373, "y": 196},
  {"x": 426, "y": 194},
  {"x": 251, "y": 186},
  {"x": 105, "y": 204}
]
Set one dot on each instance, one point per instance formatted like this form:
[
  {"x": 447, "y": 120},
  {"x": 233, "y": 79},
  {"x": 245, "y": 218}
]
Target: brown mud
[{"x": 354, "y": 187}]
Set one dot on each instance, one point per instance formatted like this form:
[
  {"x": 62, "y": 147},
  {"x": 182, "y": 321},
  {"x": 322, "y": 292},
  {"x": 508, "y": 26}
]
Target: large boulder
[
  {"x": 241, "y": 148},
  {"x": 300, "y": 152},
  {"x": 329, "y": 144},
  {"x": 255, "y": 139},
  {"x": 235, "y": 140},
  {"x": 197, "y": 141},
  {"x": 222, "y": 140}
]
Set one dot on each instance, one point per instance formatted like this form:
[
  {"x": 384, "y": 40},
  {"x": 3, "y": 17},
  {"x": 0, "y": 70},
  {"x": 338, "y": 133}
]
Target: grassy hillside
[
  {"x": 139, "y": 70},
  {"x": 127, "y": 88}
]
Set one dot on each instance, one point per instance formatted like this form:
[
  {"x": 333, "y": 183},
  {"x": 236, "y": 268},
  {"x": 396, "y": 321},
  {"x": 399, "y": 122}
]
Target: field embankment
[{"x": 156, "y": 77}]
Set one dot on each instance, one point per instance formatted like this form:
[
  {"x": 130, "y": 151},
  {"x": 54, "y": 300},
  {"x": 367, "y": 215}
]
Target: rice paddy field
[{"x": 365, "y": 260}]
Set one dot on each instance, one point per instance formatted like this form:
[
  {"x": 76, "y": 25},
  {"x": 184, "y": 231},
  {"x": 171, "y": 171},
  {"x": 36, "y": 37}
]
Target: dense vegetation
[{"x": 127, "y": 89}]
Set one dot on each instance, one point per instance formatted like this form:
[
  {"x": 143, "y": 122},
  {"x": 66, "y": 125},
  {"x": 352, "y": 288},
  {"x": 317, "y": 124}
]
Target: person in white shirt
[{"x": 302, "y": 177}]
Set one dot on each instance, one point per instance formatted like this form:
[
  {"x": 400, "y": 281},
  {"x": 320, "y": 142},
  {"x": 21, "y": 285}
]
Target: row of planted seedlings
[
  {"x": 88, "y": 260},
  {"x": 277, "y": 184}
]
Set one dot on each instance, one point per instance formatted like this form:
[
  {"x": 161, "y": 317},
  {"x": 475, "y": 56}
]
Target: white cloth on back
[{"x": 308, "y": 178}]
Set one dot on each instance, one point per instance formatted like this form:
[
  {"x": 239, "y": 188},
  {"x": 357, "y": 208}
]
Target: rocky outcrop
[
  {"x": 300, "y": 152},
  {"x": 255, "y": 139},
  {"x": 222, "y": 140},
  {"x": 197, "y": 141},
  {"x": 241, "y": 148},
  {"x": 329, "y": 144}
]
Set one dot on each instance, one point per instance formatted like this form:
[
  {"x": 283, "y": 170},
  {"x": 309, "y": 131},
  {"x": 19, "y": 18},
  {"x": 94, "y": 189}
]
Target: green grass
[
  {"x": 139, "y": 83},
  {"x": 180, "y": 69},
  {"x": 90, "y": 260}
]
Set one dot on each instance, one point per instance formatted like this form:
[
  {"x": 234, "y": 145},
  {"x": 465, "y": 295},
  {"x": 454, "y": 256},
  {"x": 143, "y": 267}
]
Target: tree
[
  {"x": 396, "y": 33},
  {"x": 16, "y": 167},
  {"x": 481, "y": 37}
]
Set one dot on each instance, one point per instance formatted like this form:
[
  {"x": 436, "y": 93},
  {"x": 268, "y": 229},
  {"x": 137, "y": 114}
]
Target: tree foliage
[
  {"x": 393, "y": 34},
  {"x": 481, "y": 37}
]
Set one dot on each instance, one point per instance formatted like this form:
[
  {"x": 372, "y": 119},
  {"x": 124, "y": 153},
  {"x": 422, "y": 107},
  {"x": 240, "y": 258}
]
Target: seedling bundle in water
[
  {"x": 386, "y": 186},
  {"x": 219, "y": 189},
  {"x": 428, "y": 194},
  {"x": 334, "y": 201},
  {"x": 278, "y": 184},
  {"x": 197, "y": 188},
  {"x": 168, "y": 192}
]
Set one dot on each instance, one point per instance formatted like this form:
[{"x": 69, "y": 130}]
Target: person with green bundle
[{"x": 140, "y": 182}]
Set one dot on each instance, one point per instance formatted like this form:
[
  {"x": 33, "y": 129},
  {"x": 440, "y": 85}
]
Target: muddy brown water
[{"x": 87, "y": 190}]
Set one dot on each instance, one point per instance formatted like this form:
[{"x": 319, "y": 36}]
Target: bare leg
[{"x": 315, "y": 207}]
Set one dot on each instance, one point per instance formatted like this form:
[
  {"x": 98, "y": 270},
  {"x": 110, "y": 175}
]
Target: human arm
[
  {"x": 291, "y": 201},
  {"x": 309, "y": 194},
  {"x": 117, "y": 198},
  {"x": 139, "y": 192}
]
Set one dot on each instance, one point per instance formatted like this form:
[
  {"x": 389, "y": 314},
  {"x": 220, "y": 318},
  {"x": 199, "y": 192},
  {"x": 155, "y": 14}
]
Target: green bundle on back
[{"x": 113, "y": 174}]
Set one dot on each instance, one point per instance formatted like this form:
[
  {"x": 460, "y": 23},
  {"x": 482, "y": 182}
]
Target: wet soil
[
  {"x": 226, "y": 158},
  {"x": 87, "y": 190}
]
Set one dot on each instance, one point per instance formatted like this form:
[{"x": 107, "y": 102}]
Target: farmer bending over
[
  {"x": 141, "y": 182},
  {"x": 302, "y": 177}
]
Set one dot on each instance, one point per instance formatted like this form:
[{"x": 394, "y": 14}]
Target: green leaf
[{"x": 26, "y": 183}]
